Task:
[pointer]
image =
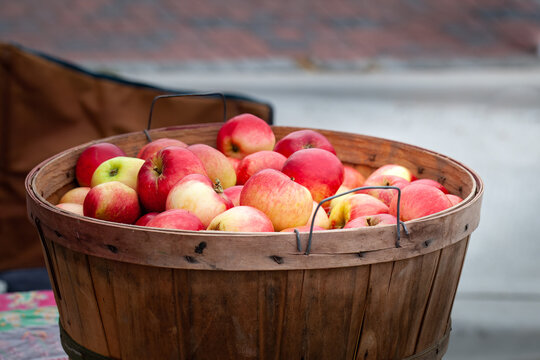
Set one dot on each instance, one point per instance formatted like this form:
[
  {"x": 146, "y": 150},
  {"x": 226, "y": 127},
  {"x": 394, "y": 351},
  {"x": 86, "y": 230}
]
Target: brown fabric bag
[{"x": 48, "y": 105}]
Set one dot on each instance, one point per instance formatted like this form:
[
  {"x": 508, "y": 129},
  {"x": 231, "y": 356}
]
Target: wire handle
[
  {"x": 398, "y": 222},
  {"x": 213, "y": 94}
]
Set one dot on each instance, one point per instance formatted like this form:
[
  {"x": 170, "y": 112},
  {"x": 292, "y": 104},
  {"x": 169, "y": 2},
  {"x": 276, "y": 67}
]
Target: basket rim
[{"x": 470, "y": 203}]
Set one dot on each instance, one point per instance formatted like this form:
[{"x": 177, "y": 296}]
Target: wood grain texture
[{"x": 140, "y": 293}]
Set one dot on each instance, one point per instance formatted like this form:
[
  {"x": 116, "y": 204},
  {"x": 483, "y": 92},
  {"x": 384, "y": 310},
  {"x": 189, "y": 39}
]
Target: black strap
[{"x": 76, "y": 351}]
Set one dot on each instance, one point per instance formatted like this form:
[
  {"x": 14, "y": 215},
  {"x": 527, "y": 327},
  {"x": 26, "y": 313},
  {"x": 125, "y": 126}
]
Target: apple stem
[{"x": 218, "y": 187}]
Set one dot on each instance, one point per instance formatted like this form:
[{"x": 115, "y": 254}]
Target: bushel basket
[{"x": 129, "y": 292}]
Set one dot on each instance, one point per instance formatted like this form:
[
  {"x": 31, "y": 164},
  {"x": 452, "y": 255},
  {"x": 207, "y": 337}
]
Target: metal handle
[
  {"x": 222, "y": 96},
  {"x": 398, "y": 222}
]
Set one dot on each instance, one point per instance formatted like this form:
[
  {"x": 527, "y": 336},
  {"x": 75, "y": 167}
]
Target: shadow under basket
[{"x": 129, "y": 292}]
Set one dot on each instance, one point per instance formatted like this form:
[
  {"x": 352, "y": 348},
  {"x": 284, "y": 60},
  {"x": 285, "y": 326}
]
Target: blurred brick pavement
[{"x": 303, "y": 30}]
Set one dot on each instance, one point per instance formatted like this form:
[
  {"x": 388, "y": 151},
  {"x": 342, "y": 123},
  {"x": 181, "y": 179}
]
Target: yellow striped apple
[
  {"x": 385, "y": 195},
  {"x": 371, "y": 220},
  {"x": 432, "y": 183},
  {"x": 241, "y": 219},
  {"x": 233, "y": 193},
  {"x": 197, "y": 194},
  {"x": 112, "y": 201},
  {"x": 419, "y": 200},
  {"x": 454, "y": 199},
  {"x": 75, "y": 195},
  {"x": 285, "y": 202},
  {"x": 393, "y": 169},
  {"x": 152, "y": 148},
  {"x": 217, "y": 167},
  {"x": 257, "y": 161},
  {"x": 71, "y": 207},
  {"x": 176, "y": 219},
  {"x": 355, "y": 206},
  {"x": 352, "y": 178}
]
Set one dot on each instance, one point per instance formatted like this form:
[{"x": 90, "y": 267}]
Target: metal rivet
[{"x": 200, "y": 248}]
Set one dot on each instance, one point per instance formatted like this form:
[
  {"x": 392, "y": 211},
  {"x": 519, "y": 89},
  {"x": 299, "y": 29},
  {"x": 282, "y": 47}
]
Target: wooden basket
[{"x": 128, "y": 292}]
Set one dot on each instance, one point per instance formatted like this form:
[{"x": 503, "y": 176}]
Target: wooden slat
[
  {"x": 272, "y": 293},
  {"x": 443, "y": 291},
  {"x": 144, "y": 307},
  {"x": 101, "y": 278},
  {"x": 223, "y": 314},
  {"x": 293, "y": 336},
  {"x": 80, "y": 301},
  {"x": 333, "y": 300}
]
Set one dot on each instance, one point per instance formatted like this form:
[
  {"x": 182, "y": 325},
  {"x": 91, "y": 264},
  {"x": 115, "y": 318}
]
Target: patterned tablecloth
[{"x": 29, "y": 327}]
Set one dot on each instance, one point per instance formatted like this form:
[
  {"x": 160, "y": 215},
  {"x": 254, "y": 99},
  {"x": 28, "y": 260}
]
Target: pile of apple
[{"x": 248, "y": 183}]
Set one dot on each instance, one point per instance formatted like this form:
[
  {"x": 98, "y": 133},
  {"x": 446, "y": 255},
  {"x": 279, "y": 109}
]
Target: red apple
[
  {"x": 432, "y": 183},
  {"x": 218, "y": 168},
  {"x": 371, "y": 220},
  {"x": 384, "y": 180},
  {"x": 91, "y": 158},
  {"x": 197, "y": 194},
  {"x": 285, "y": 202},
  {"x": 252, "y": 163},
  {"x": 176, "y": 219},
  {"x": 162, "y": 171},
  {"x": 112, "y": 201},
  {"x": 352, "y": 178},
  {"x": 393, "y": 169},
  {"x": 303, "y": 139},
  {"x": 241, "y": 219},
  {"x": 143, "y": 220},
  {"x": 454, "y": 199},
  {"x": 120, "y": 168},
  {"x": 234, "y": 162},
  {"x": 72, "y": 207},
  {"x": 320, "y": 171},
  {"x": 75, "y": 195},
  {"x": 418, "y": 200},
  {"x": 355, "y": 206},
  {"x": 305, "y": 228},
  {"x": 233, "y": 193},
  {"x": 243, "y": 135},
  {"x": 150, "y": 149}
]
